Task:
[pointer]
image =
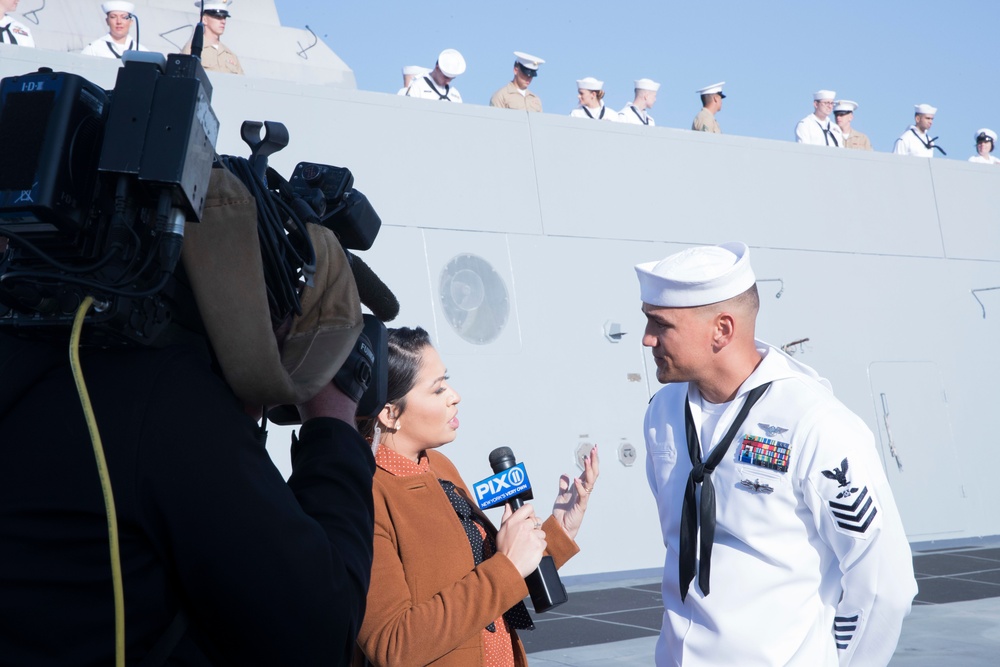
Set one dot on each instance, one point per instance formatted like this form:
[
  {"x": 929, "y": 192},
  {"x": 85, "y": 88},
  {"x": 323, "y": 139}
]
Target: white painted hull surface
[{"x": 511, "y": 237}]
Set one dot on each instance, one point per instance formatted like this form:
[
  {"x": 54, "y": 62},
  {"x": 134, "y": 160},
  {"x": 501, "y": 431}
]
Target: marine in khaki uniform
[
  {"x": 216, "y": 56},
  {"x": 515, "y": 95},
  {"x": 637, "y": 113},
  {"x": 711, "y": 104},
  {"x": 843, "y": 113}
]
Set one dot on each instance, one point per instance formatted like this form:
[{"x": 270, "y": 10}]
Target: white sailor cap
[
  {"x": 924, "y": 110},
  {"x": 824, "y": 95},
  {"x": 451, "y": 63},
  {"x": 988, "y": 132},
  {"x": 646, "y": 84},
  {"x": 528, "y": 62},
  {"x": 844, "y": 105},
  {"x": 697, "y": 276},
  {"x": 221, "y": 6},
  {"x": 711, "y": 90},
  {"x": 589, "y": 83},
  {"x": 415, "y": 70},
  {"x": 117, "y": 6}
]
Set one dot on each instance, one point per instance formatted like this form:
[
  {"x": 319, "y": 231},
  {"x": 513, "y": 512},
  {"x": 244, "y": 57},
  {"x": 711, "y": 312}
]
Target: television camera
[{"x": 96, "y": 188}]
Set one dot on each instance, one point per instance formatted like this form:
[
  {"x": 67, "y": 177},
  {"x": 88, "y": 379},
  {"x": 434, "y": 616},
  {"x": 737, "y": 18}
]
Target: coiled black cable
[{"x": 286, "y": 250}]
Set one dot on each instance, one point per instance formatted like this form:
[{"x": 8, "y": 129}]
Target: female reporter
[{"x": 446, "y": 585}]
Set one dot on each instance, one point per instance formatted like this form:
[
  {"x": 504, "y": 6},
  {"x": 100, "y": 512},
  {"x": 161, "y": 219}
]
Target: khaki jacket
[
  {"x": 858, "y": 141},
  {"x": 508, "y": 97}
]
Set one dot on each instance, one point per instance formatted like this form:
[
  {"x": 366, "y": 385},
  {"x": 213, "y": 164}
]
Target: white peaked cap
[
  {"x": 117, "y": 6},
  {"x": 823, "y": 95},
  {"x": 845, "y": 105},
  {"x": 415, "y": 70},
  {"x": 528, "y": 60},
  {"x": 988, "y": 132},
  {"x": 589, "y": 83},
  {"x": 451, "y": 63},
  {"x": 214, "y": 5},
  {"x": 697, "y": 276},
  {"x": 925, "y": 109},
  {"x": 646, "y": 84},
  {"x": 711, "y": 90}
]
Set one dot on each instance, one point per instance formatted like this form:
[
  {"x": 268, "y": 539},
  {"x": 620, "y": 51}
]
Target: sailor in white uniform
[
  {"x": 590, "y": 94},
  {"x": 11, "y": 31},
  {"x": 637, "y": 113},
  {"x": 986, "y": 140},
  {"x": 817, "y": 128},
  {"x": 801, "y": 559},
  {"x": 437, "y": 84},
  {"x": 915, "y": 141},
  {"x": 120, "y": 17},
  {"x": 411, "y": 72}
]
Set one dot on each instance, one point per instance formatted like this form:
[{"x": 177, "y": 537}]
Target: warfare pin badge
[
  {"x": 755, "y": 486},
  {"x": 771, "y": 431}
]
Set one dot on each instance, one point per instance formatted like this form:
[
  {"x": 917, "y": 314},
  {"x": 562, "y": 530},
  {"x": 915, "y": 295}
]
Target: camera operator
[{"x": 223, "y": 561}]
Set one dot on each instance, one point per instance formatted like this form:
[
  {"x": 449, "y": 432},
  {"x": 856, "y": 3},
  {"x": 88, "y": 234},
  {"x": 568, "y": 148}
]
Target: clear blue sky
[{"x": 887, "y": 56}]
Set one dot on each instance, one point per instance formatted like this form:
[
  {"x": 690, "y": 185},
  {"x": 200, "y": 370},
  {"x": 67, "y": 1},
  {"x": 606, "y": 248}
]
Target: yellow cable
[{"x": 102, "y": 468}]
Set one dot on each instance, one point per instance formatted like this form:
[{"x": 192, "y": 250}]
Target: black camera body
[
  {"x": 95, "y": 194},
  {"x": 96, "y": 188},
  {"x": 330, "y": 192}
]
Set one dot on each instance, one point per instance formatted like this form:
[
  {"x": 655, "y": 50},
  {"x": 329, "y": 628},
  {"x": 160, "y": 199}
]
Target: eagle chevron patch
[{"x": 853, "y": 509}]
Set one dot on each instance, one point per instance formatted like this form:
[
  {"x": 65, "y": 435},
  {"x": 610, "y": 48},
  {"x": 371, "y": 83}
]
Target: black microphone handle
[{"x": 544, "y": 585}]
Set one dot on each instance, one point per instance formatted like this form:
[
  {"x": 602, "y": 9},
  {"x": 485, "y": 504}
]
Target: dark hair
[{"x": 406, "y": 348}]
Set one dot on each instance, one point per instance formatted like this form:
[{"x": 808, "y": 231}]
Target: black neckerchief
[
  {"x": 447, "y": 89},
  {"x": 645, "y": 121},
  {"x": 828, "y": 133},
  {"x": 929, "y": 144},
  {"x": 701, "y": 474}
]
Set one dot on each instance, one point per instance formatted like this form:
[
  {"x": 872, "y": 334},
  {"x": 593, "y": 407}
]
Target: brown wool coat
[{"x": 428, "y": 602}]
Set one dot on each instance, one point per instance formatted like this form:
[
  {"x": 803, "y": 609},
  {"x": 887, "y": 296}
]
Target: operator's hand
[
  {"x": 521, "y": 538},
  {"x": 571, "y": 503},
  {"x": 329, "y": 402}
]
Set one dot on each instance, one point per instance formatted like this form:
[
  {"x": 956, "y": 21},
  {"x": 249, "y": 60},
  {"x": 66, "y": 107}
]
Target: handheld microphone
[{"x": 544, "y": 585}]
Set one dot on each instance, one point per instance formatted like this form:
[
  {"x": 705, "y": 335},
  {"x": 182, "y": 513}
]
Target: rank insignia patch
[
  {"x": 853, "y": 517},
  {"x": 755, "y": 486},
  {"x": 764, "y": 452}
]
